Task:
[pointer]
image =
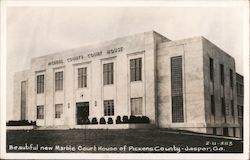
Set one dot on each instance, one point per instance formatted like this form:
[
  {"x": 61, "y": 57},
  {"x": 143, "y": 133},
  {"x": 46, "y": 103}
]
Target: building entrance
[{"x": 82, "y": 112}]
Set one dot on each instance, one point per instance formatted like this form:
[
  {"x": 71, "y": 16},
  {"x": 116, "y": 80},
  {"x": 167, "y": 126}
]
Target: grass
[{"x": 119, "y": 138}]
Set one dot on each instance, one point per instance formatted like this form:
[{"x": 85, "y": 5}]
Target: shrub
[
  {"x": 138, "y": 119},
  {"x": 125, "y": 119},
  {"x": 145, "y": 119},
  {"x": 20, "y": 123},
  {"x": 110, "y": 120},
  {"x": 118, "y": 120},
  {"x": 87, "y": 121},
  {"x": 33, "y": 123},
  {"x": 94, "y": 121},
  {"x": 132, "y": 119},
  {"x": 102, "y": 121}
]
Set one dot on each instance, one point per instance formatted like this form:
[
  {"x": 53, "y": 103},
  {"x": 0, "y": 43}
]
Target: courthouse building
[{"x": 187, "y": 84}]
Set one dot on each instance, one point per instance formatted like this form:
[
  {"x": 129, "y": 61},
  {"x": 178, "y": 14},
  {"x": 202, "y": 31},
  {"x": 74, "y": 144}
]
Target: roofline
[{"x": 95, "y": 43}]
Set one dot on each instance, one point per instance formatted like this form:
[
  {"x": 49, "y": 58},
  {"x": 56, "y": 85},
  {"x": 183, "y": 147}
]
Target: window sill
[
  {"x": 40, "y": 93},
  {"x": 58, "y": 91},
  {"x": 82, "y": 88},
  {"x": 140, "y": 81},
  {"x": 107, "y": 85}
]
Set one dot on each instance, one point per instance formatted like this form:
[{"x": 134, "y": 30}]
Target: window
[
  {"x": 108, "y": 107},
  {"x": 135, "y": 69},
  {"x": 40, "y": 112},
  {"x": 58, "y": 110},
  {"x": 108, "y": 76},
  {"x": 40, "y": 83},
  {"x": 240, "y": 111},
  {"x": 222, "y": 74},
  {"x": 225, "y": 131},
  {"x": 59, "y": 81},
  {"x": 231, "y": 78},
  {"x": 214, "y": 131},
  {"x": 177, "y": 89},
  {"x": 212, "y": 104},
  {"x": 23, "y": 99},
  {"x": 223, "y": 107},
  {"x": 136, "y": 106},
  {"x": 232, "y": 107},
  {"x": 211, "y": 66},
  {"x": 82, "y": 77}
]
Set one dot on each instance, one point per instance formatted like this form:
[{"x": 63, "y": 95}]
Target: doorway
[{"x": 82, "y": 112}]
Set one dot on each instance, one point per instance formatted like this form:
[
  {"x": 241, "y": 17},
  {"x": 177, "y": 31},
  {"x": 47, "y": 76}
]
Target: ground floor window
[
  {"x": 225, "y": 131},
  {"x": 40, "y": 112},
  {"x": 108, "y": 107},
  {"x": 58, "y": 110},
  {"x": 136, "y": 106}
]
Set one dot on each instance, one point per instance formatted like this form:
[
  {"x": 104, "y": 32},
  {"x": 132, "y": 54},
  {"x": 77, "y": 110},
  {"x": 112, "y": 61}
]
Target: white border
[{"x": 74, "y": 3}]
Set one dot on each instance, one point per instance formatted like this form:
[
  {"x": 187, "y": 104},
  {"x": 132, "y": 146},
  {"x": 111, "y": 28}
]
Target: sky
[{"x": 37, "y": 31}]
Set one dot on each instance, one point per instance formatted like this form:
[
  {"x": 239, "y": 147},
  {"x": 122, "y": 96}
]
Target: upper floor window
[
  {"x": 40, "y": 84},
  {"x": 222, "y": 74},
  {"x": 108, "y": 73},
  {"x": 59, "y": 81},
  {"x": 231, "y": 78},
  {"x": 223, "y": 107},
  {"x": 211, "y": 67},
  {"x": 232, "y": 107},
  {"x": 136, "y": 69},
  {"x": 82, "y": 77},
  {"x": 212, "y": 104}
]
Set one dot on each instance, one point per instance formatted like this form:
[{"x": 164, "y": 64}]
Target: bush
[
  {"x": 87, "y": 121},
  {"x": 94, "y": 121},
  {"x": 110, "y": 120},
  {"x": 118, "y": 120},
  {"x": 33, "y": 123},
  {"x": 102, "y": 121},
  {"x": 138, "y": 119},
  {"x": 21, "y": 123},
  {"x": 125, "y": 119},
  {"x": 132, "y": 119},
  {"x": 145, "y": 119}
]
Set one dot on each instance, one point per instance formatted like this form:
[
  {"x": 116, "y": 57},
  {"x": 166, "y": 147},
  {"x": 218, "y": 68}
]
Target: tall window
[
  {"x": 240, "y": 111},
  {"x": 59, "y": 81},
  {"x": 40, "y": 112},
  {"x": 136, "y": 69},
  {"x": 82, "y": 77},
  {"x": 223, "y": 107},
  {"x": 222, "y": 74},
  {"x": 136, "y": 106},
  {"x": 108, "y": 73},
  {"x": 212, "y": 104},
  {"x": 177, "y": 89},
  {"x": 211, "y": 66},
  {"x": 23, "y": 99},
  {"x": 40, "y": 83},
  {"x": 108, "y": 107},
  {"x": 232, "y": 107},
  {"x": 231, "y": 78},
  {"x": 58, "y": 110}
]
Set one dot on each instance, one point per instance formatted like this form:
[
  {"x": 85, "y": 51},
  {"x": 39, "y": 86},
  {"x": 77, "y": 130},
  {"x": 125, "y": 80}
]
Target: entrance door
[{"x": 82, "y": 112}]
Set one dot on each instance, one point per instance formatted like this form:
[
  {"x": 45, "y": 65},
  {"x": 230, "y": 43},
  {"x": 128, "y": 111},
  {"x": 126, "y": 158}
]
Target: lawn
[{"x": 117, "y": 141}]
